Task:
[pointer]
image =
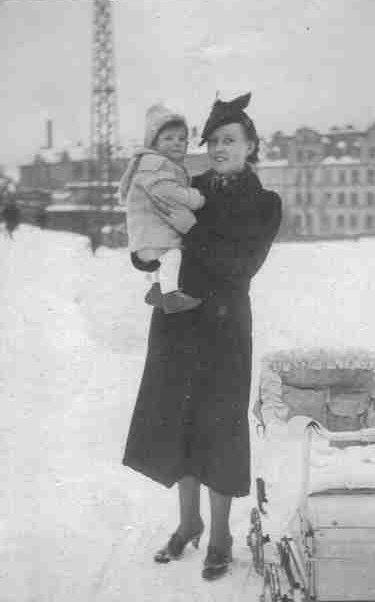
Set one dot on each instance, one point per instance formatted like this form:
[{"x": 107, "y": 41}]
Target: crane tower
[{"x": 104, "y": 132}]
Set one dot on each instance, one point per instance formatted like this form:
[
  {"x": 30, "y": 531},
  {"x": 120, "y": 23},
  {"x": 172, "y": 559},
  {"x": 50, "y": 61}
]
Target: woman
[{"x": 190, "y": 423}]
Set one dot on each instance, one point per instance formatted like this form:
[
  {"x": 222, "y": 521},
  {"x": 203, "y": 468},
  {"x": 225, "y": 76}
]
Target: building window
[
  {"x": 353, "y": 220},
  {"x": 298, "y": 178},
  {"x": 370, "y": 198},
  {"x": 310, "y": 198},
  {"x": 355, "y": 176},
  {"x": 309, "y": 176},
  {"x": 341, "y": 198},
  {"x": 354, "y": 199},
  {"x": 371, "y": 152},
  {"x": 297, "y": 222},
  {"x": 370, "y": 220},
  {"x": 310, "y": 155},
  {"x": 300, "y": 156},
  {"x": 371, "y": 176},
  {"x": 340, "y": 221},
  {"x": 327, "y": 176},
  {"x": 327, "y": 197},
  {"x": 299, "y": 199},
  {"x": 342, "y": 177}
]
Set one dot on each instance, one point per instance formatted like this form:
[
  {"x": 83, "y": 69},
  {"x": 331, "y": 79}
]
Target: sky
[{"x": 306, "y": 62}]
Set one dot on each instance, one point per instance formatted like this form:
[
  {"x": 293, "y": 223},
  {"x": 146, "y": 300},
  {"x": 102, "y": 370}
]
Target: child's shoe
[
  {"x": 154, "y": 296},
  {"x": 178, "y": 301}
]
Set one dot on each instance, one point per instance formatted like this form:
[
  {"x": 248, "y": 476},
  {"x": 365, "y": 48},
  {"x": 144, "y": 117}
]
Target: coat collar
[{"x": 242, "y": 183}]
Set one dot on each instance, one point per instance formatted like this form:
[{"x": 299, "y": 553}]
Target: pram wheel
[
  {"x": 255, "y": 541},
  {"x": 271, "y": 590}
]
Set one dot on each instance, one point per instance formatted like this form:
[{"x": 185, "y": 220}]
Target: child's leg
[
  {"x": 169, "y": 270},
  {"x": 173, "y": 299},
  {"x": 152, "y": 277}
]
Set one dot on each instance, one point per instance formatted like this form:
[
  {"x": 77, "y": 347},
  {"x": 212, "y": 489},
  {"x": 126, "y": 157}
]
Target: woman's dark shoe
[
  {"x": 217, "y": 561},
  {"x": 176, "y": 545},
  {"x": 177, "y": 301},
  {"x": 154, "y": 296}
]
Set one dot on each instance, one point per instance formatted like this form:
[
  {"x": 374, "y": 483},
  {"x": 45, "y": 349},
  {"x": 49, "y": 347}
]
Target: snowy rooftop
[
  {"x": 56, "y": 207},
  {"x": 194, "y": 149},
  {"x": 75, "y": 152},
  {"x": 345, "y": 159},
  {"x": 89, "y": 184},
  {"x": 273, "y": 163}
]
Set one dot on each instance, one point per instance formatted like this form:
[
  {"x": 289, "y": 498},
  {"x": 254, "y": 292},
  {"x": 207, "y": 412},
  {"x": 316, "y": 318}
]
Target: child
[{"x": 157, "y": 172}]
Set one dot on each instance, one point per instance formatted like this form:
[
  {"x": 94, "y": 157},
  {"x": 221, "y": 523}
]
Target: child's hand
[
  {"x": 203, "y": 200},
  {"x": 179, "y": 217}
]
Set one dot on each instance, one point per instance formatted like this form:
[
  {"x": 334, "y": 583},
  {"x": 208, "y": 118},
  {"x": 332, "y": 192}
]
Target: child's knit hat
[{"x": 157, "y": 117}]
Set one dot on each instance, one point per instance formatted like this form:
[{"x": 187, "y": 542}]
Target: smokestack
[{"x": 49, "y": 133}]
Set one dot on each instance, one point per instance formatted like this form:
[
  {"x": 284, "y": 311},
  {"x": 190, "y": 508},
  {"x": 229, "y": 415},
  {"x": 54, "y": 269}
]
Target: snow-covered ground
[{"x": 74, "y": 524}]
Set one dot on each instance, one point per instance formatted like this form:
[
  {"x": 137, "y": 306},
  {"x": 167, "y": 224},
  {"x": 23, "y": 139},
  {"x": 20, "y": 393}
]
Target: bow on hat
[{"x": 223, "y": 113}]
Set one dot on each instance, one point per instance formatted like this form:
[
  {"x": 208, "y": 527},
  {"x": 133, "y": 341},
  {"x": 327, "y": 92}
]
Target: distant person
[
  {"x": 11, "y": 216},
  {"x": 95, "y": 238},
  {"x": 157, "y": 172},
  {"x": 190, "y": 423}
]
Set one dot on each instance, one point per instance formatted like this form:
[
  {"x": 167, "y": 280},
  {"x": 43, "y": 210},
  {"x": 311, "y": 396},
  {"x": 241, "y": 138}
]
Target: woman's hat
[
  {"x": 157, "y": 117},
  {"x": 223, "y": 113}
]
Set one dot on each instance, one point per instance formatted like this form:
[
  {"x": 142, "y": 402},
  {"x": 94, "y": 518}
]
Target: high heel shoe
[
  {"x": 176, "y": 545},
  {"x": 217, "y": 561}
]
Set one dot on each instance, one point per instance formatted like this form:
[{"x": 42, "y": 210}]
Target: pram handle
[{"x": 261, "y": 494}]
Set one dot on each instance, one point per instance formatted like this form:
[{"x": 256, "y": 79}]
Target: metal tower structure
[{"x": 104, "y": 134}]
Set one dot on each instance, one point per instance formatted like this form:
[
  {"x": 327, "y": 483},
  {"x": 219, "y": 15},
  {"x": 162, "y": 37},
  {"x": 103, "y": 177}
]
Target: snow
[
  {"x": 50, "y": 155},
  {"x": 74, "y": 523},
  {"x": 56, "y": 207},
  {"x": 195, "y": 149},
  {"x": 345, "y": 159},
  {"x": 273, "y": 163},
  {"x": 76, "y": 152},
  {"x": 89, "y": 184}
]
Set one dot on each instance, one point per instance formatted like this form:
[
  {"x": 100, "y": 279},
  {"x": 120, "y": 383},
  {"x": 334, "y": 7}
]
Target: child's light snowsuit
[{"x": 151, "y": 175}]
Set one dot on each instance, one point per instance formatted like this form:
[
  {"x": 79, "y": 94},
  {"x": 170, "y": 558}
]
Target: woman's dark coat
[{"x": 191, "y": 414}]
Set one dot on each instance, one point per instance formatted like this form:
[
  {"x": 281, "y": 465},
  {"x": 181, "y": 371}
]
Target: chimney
[{"x": 49, "y": 133}]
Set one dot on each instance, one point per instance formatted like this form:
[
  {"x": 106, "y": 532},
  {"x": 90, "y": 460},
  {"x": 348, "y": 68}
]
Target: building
[
  {"x": 326, "y": 181},
  {"x": 53, "y": 169}
]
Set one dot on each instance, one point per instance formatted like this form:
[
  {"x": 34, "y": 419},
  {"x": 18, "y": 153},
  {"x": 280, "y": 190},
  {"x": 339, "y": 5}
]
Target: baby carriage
[{"x": 312, "y": 534}]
